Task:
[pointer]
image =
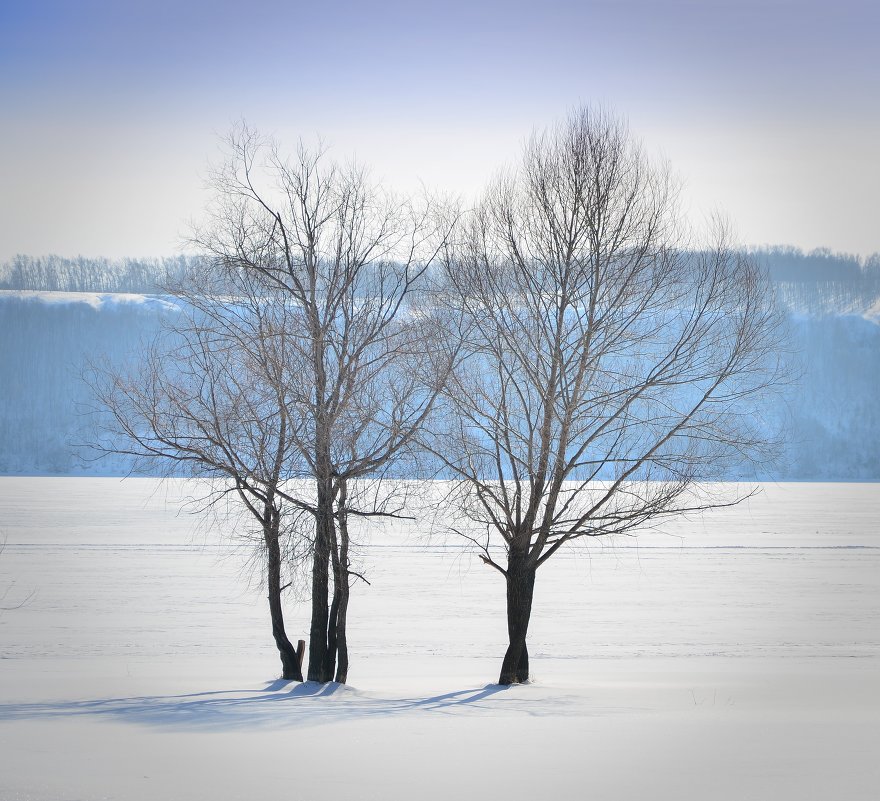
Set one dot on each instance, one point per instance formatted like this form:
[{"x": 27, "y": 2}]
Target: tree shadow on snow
[{"x": 280, "y": 704}]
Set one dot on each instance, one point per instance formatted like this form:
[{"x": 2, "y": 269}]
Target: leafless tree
[
  {"x": 370, "y": 363},
  {"x": 609, "y": 370},
  {"x": 211, "y": 399}
]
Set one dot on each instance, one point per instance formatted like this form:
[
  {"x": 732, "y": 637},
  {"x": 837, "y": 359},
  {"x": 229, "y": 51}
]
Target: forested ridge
[{"x": 832, "y": 414}]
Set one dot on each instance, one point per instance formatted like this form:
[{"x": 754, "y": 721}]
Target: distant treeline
[
  {"x": 792, "y": 265},
  {"x": 821, "y": 282},
  {"x": 818, "y": 282},
  {"x": 81, "y": 274}
]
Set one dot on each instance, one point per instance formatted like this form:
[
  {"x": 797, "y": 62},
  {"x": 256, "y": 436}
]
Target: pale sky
[{"x": 769, "y": 111}]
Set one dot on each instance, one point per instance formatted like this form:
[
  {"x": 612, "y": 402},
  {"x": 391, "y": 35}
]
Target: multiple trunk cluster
[
  {"x": 304, "y": 361},
  {"x": 554, "y": 352},
  {"x": 328, "y": 644}
]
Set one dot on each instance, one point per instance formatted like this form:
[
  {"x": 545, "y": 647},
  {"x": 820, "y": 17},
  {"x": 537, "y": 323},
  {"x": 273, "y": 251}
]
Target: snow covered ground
[{"x": 735, "y": 657}]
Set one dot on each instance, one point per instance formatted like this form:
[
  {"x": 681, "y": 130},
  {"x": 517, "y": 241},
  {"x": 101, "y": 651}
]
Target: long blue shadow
[{"x": 279, "y": 704}]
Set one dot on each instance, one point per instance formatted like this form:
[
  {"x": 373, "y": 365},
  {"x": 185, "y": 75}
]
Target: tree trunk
[
  {"x": 318, "y": 631},
  {"x": 342, "y": 638},
  {"x": 290, "y": 667},
  {"x": 520, "y": 589},
  {"x": 342, "y": 584},
  {"x": 332, "y": 622},
  {"x": 321, "y": 585}
]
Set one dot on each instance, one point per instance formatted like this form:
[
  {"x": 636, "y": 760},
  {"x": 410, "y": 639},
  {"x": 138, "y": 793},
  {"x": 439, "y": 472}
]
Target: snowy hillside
[
  {"x": 835, "y": 407},
  {"x": 46, "y": 339}
]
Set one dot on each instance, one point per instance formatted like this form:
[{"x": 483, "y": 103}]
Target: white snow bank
[{"x": 96, "y": 300}]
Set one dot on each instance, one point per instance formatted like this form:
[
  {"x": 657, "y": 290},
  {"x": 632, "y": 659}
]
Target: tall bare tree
[
  {"x": 351, "y": 258},
  {"x": 210, "y": 398},
  {"x": 608, "y": 371}
]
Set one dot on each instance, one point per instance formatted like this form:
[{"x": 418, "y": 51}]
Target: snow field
[{"x": 735, "y": 656}]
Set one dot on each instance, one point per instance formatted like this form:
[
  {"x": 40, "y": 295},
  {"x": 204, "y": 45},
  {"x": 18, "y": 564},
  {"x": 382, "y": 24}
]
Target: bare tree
[
  {"x": 210, "y": 399},
  {"x": 609, "y": 369},
  {"x": 351, "y": 259}
]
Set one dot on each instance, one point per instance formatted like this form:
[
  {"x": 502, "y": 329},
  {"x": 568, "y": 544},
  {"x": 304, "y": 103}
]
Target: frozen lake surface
[{"x": 734, "y": 656}]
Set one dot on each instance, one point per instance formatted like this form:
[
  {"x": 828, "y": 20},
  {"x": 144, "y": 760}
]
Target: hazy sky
[{"x": 111, "y": 110}]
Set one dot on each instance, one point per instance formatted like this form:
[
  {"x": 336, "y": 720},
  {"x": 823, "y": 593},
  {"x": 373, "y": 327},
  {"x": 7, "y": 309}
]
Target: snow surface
[
  {"x": 734, "y": 657},
  {"x": 95, "y": 300}
]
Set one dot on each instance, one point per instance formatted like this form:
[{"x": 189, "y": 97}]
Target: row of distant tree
[
  {"x": 822, "y": 271},
  {"x": 81, "y": 274},
  {"x": 790, "y": 264}
]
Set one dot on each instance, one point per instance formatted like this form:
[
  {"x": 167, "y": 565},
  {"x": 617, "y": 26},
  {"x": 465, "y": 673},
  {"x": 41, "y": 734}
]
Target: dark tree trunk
[
  {"x": 321, "y": 585},
  {"x": 318, "y": 631},
  {"x": 332, "y": 622},
  {"x": 342, "y": 585},
  {"x": 342, "y": 638},
  {"x": 520, "y": 590},
  {"x": 336, "y": 657},
  {"x": 290, "y": 667}
]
